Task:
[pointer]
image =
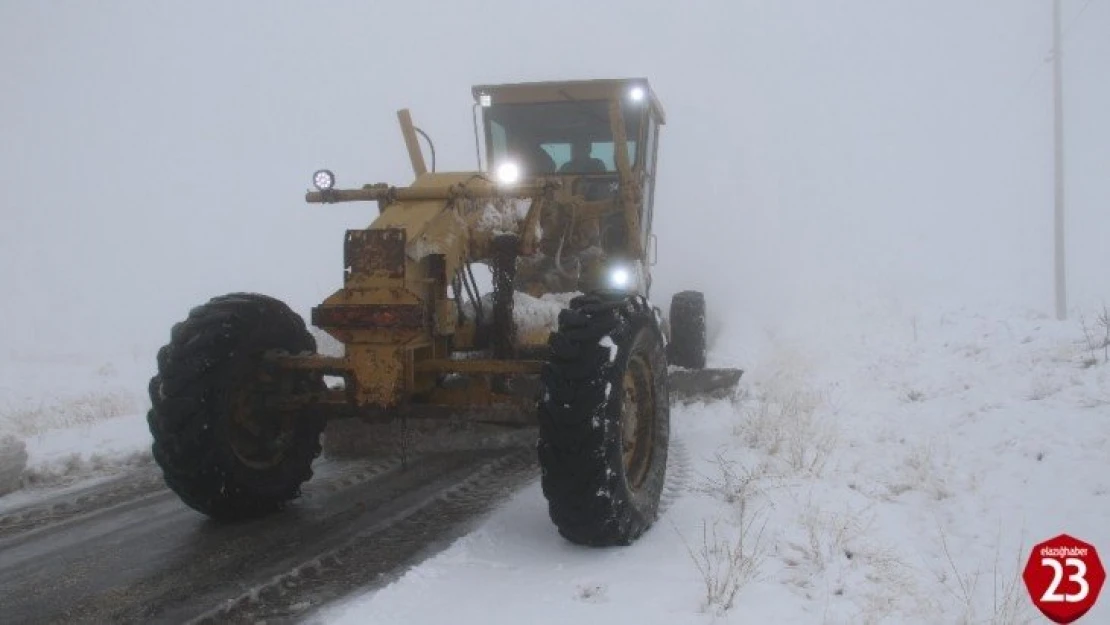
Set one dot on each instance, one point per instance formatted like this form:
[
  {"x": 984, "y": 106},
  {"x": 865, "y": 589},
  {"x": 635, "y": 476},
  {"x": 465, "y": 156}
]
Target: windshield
[{"x": 557, "y": 137}]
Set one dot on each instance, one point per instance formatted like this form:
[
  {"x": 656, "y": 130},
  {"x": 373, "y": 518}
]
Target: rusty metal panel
[
  {"x": 379, "y": 374},
  {"x": 446, "y": 317},
  {"x": 375, "y": 253},
  {"x": 369, "y": 316}
]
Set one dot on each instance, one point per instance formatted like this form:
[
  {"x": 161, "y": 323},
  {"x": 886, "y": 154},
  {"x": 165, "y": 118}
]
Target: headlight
[
  {"x": 508, "y": 173},
  {"x": 636, "y": 94},
  {"x": 323, "y": 180},
  {"x": 619, "y": 278}
]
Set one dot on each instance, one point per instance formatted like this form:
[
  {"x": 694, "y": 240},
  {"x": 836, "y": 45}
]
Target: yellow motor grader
[{"x": 564, "y": 338}]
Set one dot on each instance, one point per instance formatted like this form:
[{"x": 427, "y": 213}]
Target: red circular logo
[{"x": 1064, "y": 576}]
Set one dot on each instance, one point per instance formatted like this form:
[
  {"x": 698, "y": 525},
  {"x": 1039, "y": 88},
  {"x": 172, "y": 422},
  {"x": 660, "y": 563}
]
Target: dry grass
[
  {"x": 825, "y": 537},
  {"x": 1096, "y": 337},
  {"x": 826, "y": 551},
  {"x": 728, "y": 561},
  {"x": 833, "y": 553},
  {"x": 83, "y": 409},
  {"x": 736, "y": 484},
  {"x": 921, "y": 471},
  {"x": 1007, "y": 602},
  {"x": 726, "y": 565},
  {"x": 892, "y": 592},
  {"x": 77, "y": 467},
  {"x": 1043, "y": 389},
  {"x": 786, "y": 423},
  {"x": 825, "y": 543},
  {"x": 894, "y": 588},
  {"x": 913, "y": 395}
]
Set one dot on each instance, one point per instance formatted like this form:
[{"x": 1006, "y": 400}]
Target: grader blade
[{"x": 695, "y": 384}]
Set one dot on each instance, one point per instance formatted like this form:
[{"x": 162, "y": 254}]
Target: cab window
[{"x": 542, "y": 136}]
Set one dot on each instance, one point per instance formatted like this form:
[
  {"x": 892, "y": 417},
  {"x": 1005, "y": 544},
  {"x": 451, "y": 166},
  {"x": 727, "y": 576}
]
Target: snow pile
[
  {"x": 13, "y": 461},
  {"x": 896, "y": 471},
  {"x": 539, "y": 313},
  {"x": 530, "y": 314},
  {"x": 482, "y": 218},
  {"x": 68, "y": 454},
  {"x": 64, "y": 418},
  {"x": 499, "y": 216}
]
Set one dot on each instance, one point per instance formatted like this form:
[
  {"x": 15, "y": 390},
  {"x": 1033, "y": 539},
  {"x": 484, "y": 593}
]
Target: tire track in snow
[
  {"x": 678, "y": 475},
  {"x": 378, "y": 554},
  {"x": 153, "y": 559},
  {"x": 61, "y": 508},
  {"x": 330, "y": 477}
]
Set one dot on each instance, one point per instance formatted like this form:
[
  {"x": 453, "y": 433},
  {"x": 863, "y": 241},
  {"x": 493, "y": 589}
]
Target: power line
[
  {"x": 1075, "y": 19},
  {"x": 1049, "y": 53}
]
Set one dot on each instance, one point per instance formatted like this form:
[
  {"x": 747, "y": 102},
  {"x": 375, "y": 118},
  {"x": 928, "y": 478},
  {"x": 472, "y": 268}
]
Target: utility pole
[{"x": 1058, "y": 106}]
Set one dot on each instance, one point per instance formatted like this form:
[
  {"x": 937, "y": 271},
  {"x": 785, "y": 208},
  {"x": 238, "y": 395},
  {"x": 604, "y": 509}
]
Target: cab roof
[{"x": 558, "y": 91}]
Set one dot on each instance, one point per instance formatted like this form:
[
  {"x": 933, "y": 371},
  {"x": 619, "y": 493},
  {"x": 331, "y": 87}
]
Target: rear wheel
[
  {"x": 604, "y": 419},
  {"x": 220, "y": 449},
  {"x": 688, "y": 345}
]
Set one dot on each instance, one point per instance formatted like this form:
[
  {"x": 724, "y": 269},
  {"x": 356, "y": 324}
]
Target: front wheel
[
  {"x": 220, "y": 449},
  {"x": 604, "y": 420}
]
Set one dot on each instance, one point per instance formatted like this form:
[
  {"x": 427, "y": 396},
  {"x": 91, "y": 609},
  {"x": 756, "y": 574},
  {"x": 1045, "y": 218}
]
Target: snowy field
[
  {"x": 871, "y": 469},
  {"x": 74, "y": 417},
  {"x": 898, "y": 473}
]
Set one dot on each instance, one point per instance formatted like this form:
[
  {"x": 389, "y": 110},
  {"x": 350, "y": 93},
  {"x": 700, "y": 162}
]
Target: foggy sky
[{"x": 154, "y": 154}]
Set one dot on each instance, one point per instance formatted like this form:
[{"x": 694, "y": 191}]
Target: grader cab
[{"x": 563, "y": 337}]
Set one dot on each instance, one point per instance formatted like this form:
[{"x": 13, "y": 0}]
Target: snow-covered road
[{"x": 128, "y": 551}]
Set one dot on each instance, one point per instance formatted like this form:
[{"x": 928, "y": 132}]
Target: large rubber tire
[
  {"x": 204, "y": 400},
  {"x": 594, "y": 497},
  {"x": 688, "y": 342}
]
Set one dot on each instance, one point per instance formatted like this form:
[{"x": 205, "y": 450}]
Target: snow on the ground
[
  {"x": 76, "y": 417},
  {"x": 85, "y": 450},
  {"x": 895, "y": 470}
]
